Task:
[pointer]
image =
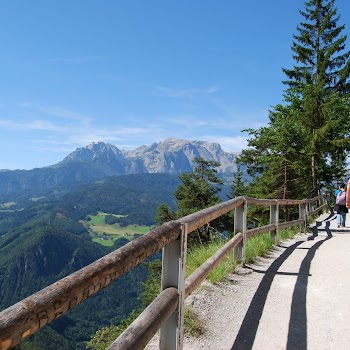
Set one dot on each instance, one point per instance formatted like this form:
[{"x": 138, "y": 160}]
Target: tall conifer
[
  {"x": 319, "y": 50},
  {"x": 317, "y": 111},
  {"x": 320, "y": 78}
]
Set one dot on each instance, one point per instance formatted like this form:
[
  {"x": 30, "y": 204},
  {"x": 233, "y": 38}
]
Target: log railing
[{"x": 166, "y": 312}]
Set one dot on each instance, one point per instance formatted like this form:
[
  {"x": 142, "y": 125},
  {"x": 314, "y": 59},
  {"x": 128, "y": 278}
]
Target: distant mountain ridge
[
  {"x": 169, "y": 156},
  {"x": 99, "y": 160}
]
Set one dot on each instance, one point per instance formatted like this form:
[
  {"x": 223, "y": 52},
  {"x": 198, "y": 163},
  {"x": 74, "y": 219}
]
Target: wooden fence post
[
  {"x": 326, "y": 202},
  {"x": 303, "y": 216},
  {"x": 173, "y": 275},
  {"x": 240, "y": 225},
  {"x": 274, "y": 217},
  {"x": 311, "y": 206}
]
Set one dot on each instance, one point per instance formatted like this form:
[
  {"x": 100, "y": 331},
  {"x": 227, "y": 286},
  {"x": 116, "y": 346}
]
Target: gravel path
[{"x": 297, "y": 297}]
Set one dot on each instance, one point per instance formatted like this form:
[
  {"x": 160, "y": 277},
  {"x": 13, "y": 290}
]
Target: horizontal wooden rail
[
  {"x": 258, "y": 230},
  {"x": 313, "y": 212},
  {"x": 282, "y": 225},
  {"x": 204, "y": 216},
  {"x": 265, "y": 202},
  {"x": 291, "y": 201},
  {"x": 31, "y": 314},
  {"x": 314, "y": 199}
]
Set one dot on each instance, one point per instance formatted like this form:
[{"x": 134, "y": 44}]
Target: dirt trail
[{"x": 298, "y": 297}]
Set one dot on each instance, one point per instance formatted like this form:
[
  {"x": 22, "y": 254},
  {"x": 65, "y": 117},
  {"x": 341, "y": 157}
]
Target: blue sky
[{"x": 132, "y": 73}]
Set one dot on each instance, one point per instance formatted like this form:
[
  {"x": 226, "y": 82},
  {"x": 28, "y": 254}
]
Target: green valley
[{"x": 106, "y": 234}]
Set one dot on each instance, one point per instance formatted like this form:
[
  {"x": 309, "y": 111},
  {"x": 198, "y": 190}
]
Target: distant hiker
[
  {"x": 340, "y": 205},
  {"x": 337, "y": 190},
  {"x": 335, "y": 194}
]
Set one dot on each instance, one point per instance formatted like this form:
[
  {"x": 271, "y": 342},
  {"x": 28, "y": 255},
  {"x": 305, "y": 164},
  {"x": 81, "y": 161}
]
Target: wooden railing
[{"x": 166, "y": 312}]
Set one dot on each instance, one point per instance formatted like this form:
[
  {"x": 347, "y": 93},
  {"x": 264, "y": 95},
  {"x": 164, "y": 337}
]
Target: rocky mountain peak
[
  {"x": 94, "y": 152},
  {"x": 169, "y": 156},
  {"x": 176, "y": 155}
]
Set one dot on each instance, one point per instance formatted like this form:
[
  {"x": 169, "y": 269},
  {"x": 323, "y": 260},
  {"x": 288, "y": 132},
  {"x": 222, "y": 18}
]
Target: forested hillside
[
  {"x": 46, "y": 253},
  {"x": 136, "y": 196},
  {"x": 43, "y": 240}
]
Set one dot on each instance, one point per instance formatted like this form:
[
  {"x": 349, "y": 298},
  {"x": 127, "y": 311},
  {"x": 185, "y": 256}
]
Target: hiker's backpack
[{"x": 341, "y": 198}]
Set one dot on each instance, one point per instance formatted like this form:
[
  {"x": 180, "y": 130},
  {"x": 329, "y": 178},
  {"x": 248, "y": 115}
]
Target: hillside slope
[{"x": 46, "y": 254}]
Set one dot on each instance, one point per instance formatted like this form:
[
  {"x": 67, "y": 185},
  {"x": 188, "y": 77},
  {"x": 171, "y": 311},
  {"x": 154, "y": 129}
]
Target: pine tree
[
  {"x": 199, "y": 190},
  {"x": 275, "y": 157},
  {"x": 237, "y": 187},
  {"x": 321, "y": 80},
  {"x": 164, "y": 214},
  {"x": 320, "y": 50},
  {"x": 307, "y": 140}
]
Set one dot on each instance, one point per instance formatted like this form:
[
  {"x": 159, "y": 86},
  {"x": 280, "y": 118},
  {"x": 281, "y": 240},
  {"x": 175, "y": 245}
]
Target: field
[
  {"x": 106, "y": 235},
  {"x": 6, "y": 207},
  {"x": 35, "y": 199}
]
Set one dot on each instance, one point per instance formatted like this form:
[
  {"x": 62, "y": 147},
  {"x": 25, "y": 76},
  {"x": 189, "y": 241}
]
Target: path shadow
[
  {"x": 247, "y": 332},
  {"x": 341, "y": 230},
  {"x": 297, "y": 333},
  {"x": 315, "y": 229},
  {"x": 297, "y": 325}
]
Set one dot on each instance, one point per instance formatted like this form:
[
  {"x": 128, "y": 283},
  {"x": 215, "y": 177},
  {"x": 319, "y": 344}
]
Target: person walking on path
[
  {"x": 341, "y": 205},
  {"x": 348, "y": 196},
  {"x": 337, "y": 190}
]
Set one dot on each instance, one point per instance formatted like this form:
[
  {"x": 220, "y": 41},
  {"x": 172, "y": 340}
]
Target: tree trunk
[
  {"x": 314, "y": 192},
  {"x": 286, "y": 214}
]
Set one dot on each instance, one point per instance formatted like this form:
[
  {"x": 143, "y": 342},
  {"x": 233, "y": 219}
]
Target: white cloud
[
  {"x": 229, "y": 143},
  {"x": 77, "y": 137},
  {"x": 248, "y": 117},
  {"x": 57, "y": 111},
  {"x": 186, "y": 121},
  {"x": 59, "y": 127},
  {"x": 33, "y": 125}
]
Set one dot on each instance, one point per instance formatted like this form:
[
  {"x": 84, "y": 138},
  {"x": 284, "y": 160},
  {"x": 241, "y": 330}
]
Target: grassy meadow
[
  {"x": 106, "y": 235},
  {"x": 8, "y": 207}
]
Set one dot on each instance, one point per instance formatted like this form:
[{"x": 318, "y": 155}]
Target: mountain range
[{"x": 99, "y": 160}]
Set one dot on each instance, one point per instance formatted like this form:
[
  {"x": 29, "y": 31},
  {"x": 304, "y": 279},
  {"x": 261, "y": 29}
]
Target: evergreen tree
[
  {"x": 275, "y": 157},
  {"x": 198, "y": 189},
  {"x": 307, "y": 140},
  {"x": 164, "y": 214},
  {"x": 321, "y": 79},
  {"x": 319, "y": 48},
  {"x": 237, "y": 187}
]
